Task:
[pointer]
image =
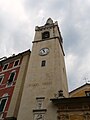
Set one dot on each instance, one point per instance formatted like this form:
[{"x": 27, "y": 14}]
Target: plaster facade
[
  {"x": 80, "y": 91},
  {"x": 43, "y": 81}
]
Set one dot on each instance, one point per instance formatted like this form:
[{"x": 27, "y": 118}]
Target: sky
[{"x": 18, "y": 19}]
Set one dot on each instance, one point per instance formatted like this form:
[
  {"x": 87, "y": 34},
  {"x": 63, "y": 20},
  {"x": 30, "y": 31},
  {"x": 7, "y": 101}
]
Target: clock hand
[{"x": 43, "y": 50}]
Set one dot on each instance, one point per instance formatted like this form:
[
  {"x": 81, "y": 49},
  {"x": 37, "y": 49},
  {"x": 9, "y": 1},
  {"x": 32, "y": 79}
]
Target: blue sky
[{"x": 18, "y": 19}]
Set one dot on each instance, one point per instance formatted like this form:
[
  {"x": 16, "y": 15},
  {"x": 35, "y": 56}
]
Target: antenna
[{"x": 86, "y": 79}]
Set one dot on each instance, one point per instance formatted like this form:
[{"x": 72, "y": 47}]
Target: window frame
[
  {"x": 5, "y": 96},
  {"x": 1, "y": 76},
  {"x": 47, "y": 33},
  {"x": 6, "y": 67},
  {"x": 9, "y": 84},
  {"x": 16, "y": 61},
  {"x": 43, "y": 63},
  {"x": 87, "y": 93},
  {"x": 1, "y": 104}
]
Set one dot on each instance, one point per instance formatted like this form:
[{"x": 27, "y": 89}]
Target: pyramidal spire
[{"x": 49, "y": 21}]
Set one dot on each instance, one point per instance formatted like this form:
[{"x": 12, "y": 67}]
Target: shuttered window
[
  {"x": 11, "y": 78},
  {"x": 2, "y": 104}
]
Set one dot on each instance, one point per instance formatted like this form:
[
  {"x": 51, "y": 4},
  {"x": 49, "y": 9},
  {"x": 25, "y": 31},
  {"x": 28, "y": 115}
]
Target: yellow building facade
[
  {"x": 76, "y": 107},
  {"x": 84, "y": 90}
]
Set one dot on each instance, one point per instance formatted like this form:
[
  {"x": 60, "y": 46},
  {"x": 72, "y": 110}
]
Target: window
[
  {"x": 43, "y": 63},
  {"x": 3, "y": 101},
  {"x": 16, "y": 63},
  {"x": 1, "y": 78},
  {"x": 87, "y": 93},
  {"x": 45, "y": 35},
  {"x": 11, "y": 78},
  {"x": 2, "y": 104},
  {"x": 5, "y": 66}
]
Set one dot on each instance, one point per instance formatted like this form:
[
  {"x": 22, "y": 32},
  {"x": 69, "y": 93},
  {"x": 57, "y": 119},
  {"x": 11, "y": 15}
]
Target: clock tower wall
[
  {"x": 55, "y": 43},
  {"x": 53, "y": 29},
  {"x": 46, "y": 74}
]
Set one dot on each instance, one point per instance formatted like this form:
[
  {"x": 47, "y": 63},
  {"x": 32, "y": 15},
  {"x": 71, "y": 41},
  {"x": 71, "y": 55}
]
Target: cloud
[
  {"x": 13, "y": 21},
  {"x": 18, "y": 19}
]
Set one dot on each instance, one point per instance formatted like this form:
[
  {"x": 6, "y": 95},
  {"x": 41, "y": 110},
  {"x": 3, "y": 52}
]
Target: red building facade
[{"x": 9, "y": 69}]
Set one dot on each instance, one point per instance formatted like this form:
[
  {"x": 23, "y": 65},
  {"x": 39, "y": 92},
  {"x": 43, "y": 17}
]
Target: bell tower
[{"x": 46, "y": 74}]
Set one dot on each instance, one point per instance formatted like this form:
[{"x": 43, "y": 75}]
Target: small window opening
[
  {"x": 45, "y": 35},
  {"x": 5, "y": 66},
  {"x": 87, "y": 93},
  {"x": 16, "y": 63},
  {"x": 11, "y": 78},
  {"x": 43, "y": 63}
]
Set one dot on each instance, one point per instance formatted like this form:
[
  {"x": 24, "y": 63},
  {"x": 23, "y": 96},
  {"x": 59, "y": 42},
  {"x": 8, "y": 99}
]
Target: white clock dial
[{"x": 44, "y": 51}]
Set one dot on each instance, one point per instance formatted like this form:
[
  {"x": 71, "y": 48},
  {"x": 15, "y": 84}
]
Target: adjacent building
[
  {"x": 76, "y": 107},
  {"x": 12, "y": 76},
  {"x": 83, "y": 90}
]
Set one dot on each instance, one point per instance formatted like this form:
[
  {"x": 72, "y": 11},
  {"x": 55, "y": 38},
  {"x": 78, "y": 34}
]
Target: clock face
[{"x": 44, "y": 51}]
